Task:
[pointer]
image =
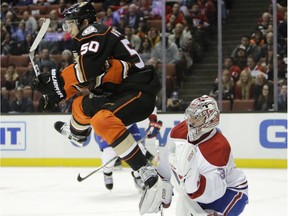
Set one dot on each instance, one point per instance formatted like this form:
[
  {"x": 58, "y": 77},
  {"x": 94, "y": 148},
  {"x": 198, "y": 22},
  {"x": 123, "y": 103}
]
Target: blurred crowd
[
  {"x": 248, "y": 73},
  {"x": 189, "y": 25}
]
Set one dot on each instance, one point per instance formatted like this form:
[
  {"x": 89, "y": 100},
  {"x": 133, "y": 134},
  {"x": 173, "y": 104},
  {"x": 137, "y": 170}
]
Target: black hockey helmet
[{"x": 79, "y": 12}]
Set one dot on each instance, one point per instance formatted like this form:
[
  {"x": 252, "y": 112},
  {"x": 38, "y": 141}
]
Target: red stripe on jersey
[
  {"x": 180, "y": 131},
  {"x": 216, "y": 150},
  {"x": 200, "y": 190},
  {"x": 237, "y": 197}
]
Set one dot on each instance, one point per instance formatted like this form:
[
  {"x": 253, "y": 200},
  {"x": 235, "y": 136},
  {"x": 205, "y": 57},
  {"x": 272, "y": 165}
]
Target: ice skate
[
  {"x": 108, "y": 180},
  {"x": 148, "y": 175},
  {"x": 64, "y": 129},
  {"x": 139, "y": 184}
]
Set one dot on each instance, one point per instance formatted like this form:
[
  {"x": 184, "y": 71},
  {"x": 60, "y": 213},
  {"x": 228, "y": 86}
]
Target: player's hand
[
  {"x": 48, "y": 104},
  {"x": 50, "y": 83},
  {"x": 154, "y": 126}
]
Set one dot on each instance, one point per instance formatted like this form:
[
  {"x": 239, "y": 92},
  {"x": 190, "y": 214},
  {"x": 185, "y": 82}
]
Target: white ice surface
[{"x": 56, "y": 192}]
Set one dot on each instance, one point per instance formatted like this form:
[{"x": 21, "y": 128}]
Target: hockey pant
[
  {"x": 232, "y": 203},
  {"x": 109, "y": 117}
]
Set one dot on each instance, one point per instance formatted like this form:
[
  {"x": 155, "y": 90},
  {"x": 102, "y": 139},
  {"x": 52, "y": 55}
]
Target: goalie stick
[
  {"x": 40, "y": 35},
  {"x": 80, "y": 179}
]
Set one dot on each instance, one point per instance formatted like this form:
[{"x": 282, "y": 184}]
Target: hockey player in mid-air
[
  {"x": 202, "y": 167},
  {"x": 123, "y": 92}
]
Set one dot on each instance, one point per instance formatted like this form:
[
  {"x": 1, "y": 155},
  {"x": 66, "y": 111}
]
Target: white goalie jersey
[{"x": 202, "y": 170}]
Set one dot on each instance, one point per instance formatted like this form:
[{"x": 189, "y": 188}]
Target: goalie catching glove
[
  {"x": 154, "y": 126},
  {"x": 51, "y": 85}
]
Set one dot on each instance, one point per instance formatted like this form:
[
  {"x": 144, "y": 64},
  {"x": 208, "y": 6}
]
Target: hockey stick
[
  {"x": 40, "y": 35},
  {"x": 80, "y": 179}
]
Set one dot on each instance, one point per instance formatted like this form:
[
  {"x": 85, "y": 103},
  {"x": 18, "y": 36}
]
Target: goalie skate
[{"x": 64, "y": 129}]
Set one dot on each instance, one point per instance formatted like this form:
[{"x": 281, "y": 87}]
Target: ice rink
[{"x": 53, "y": 191}]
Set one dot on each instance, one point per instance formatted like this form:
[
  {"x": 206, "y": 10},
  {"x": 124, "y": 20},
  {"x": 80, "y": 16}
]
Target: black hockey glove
[
  {"x": 154, "y": 126},
  {"x": 48, "y": 103},
  {"x": 51, "y": 84}
]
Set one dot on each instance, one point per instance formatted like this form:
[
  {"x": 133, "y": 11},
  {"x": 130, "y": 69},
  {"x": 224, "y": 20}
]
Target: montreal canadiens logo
[{"x": 89, "y": 30}]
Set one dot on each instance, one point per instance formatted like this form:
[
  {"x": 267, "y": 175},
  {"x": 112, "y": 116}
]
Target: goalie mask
[
  {"x": 78, "y": 13},
  {"x": 202, "y": 116}
]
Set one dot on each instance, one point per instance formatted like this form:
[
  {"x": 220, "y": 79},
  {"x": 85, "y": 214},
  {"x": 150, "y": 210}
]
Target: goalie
[{"x": 202, "y": 166}]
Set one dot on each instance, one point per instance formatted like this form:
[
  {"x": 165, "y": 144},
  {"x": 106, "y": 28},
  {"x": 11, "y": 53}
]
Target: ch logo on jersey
[{"x": 89, "y": 30}]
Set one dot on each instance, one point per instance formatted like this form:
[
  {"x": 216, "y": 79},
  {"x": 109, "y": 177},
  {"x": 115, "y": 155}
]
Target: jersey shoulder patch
[{"x": 90, "y": 29}]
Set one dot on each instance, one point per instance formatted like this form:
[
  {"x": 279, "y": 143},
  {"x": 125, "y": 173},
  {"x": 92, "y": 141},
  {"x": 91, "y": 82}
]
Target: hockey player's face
[
  {"x": 195, "y": 122},
  {"x": 71, "y": 27}
]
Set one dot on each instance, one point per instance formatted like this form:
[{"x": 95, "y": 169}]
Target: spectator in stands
[
  {"x": 175, "y": 103},
  {"x": 170, "y": 25},
  {"x": 142, "y": 30},
  {"x": 4, "y": 10},
  {"x": 265, "y": 101},
  {"x": 202, "y": 26},
  {"x": 244, "y": 44},
  {"x": 24, "y": 46},
  {"x": 254, "y": 68},
  {"x": 145, "y": 7},
  {"x": 190, "y": 31},
  {"x": 184, "y": 44},
  {"x": 109, "y": 18},
  {"x": 259, "y": 81},
  {"x": 26, "y": 78},
  {"x": 10, "y": 23},
  {"x": 5, "y": 106},
  {"x": 132, "y": 18},
  {"x": 20, "y": 34},
  {"x": 227, "y": 87},
  {"x": 172, "y": 57},
  {"x": 21, "y": 103},
  {"x": 30, "y": 22},
  {"x": 241, "y": 57},
  {"x": 61, "y": 9},
  {"x": 282, "y": 97},
  {"x": 264, "y": 22},
  {"x": 244, "y": 86},
  {"x": 146, "y": 50},
  {"x": 45, "y": 59},
  {"x": 55, "y": 22},
  {"x": 257, "y": 41},
  {"x": 67, "y": 59},
  {"x": 134, "y": 39},
  {"x": 281, "y": 68},
  {"x": 267, "y": 50},
  {"x": 234, "y": 70},
  {"x": 178, "y": 15},
  {"x": 154, "y": 36},
  {"x": 208, "y": 8},
  {"x": 8, "y": 45},
  {"x": 172, "y": 52},
  {"x": 11, "y": 78}
]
